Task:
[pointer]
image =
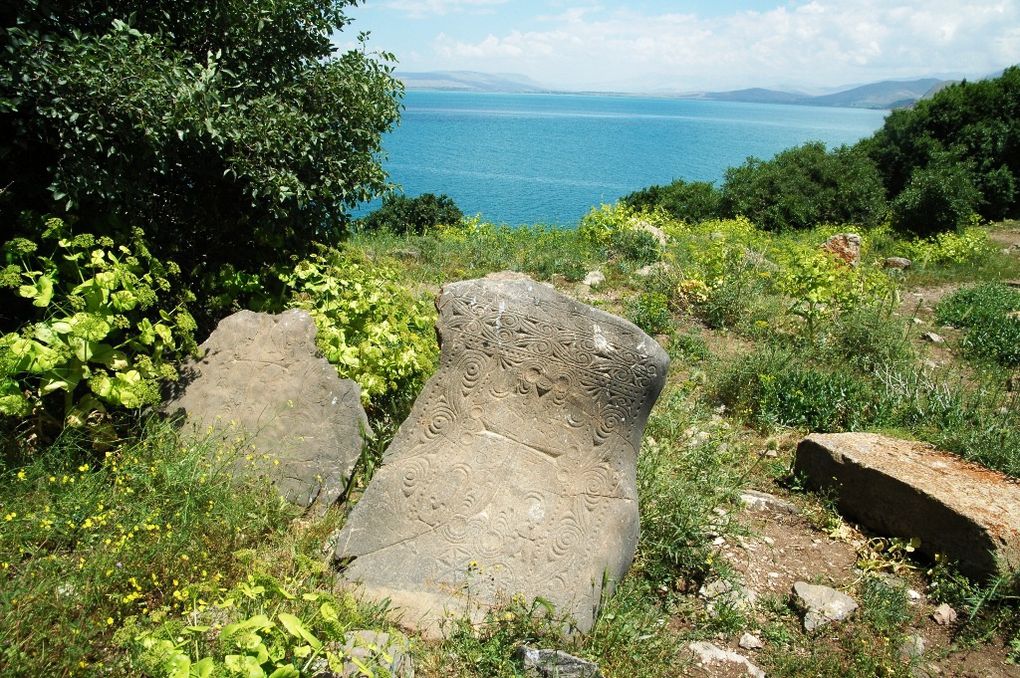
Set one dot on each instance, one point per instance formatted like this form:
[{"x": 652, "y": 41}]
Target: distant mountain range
[
  {"x": 885, "y": 94},
  {"x": 470, "y": 81},
  {"x": 879, "y": 95}
]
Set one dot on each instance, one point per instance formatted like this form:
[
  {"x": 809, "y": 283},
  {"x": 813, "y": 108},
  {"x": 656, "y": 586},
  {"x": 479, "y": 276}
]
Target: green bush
[
  {"x": 106, "y": 324},
  {"x": 991, "y": 314},
  {"x": 636, "y": 245},
  {"x": 961, "y": 141},
  {"x": 939, "y": 197},
  {"x": 692, "y": 202},
  {"x": 417, "y": 216},
  {"x": 237, "y": 132},
  {"x": 806, "y": 186},
  {"x": 650, "y": 312},
  {"x": 370, "y": 326},
  {"x": 868, "y": 337},
  {"x": 689, "y": 347}
]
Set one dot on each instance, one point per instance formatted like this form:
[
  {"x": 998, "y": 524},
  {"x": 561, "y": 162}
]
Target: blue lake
[{"x": 548, "y": 158}]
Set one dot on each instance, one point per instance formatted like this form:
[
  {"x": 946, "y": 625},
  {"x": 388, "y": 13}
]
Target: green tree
[
  {"x": 805, "y": 186},
  {"x": 693, "y": 201},
  {"x": 232, "y": 131},
  {"x": 975, "y": 125},
  {"x": 938, "y": 197},
  {"x": 401, "y": 214}
]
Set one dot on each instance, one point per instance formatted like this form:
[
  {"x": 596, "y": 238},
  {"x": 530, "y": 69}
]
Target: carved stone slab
[
  {"x": 515, "y": 472},
  {"x": 260, "y": 377}
]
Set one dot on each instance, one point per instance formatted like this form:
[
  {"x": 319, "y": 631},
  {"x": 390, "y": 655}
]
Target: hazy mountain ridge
[
  {"x": 885, "y": 94},
  {"x": 470, "y": 81}
]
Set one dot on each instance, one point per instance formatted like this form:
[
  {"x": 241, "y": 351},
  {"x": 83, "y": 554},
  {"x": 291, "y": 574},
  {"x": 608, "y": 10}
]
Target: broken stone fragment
[
  {"x": 707, "y": 654},
  {"x": 554, "y": 664},
  {"x": 944, "y": 615},
  {"x": 902, "y": 488},
  {"x": 822, "y": 605},
  {"x": 846, "y": 246},
  {"x": 897, "y": 263},
  {"x": 261, "y": 380},
  {"x": 514, "y": 474}
]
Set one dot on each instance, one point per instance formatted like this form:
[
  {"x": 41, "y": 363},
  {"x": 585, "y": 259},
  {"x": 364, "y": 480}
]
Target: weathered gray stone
[
  {"x": 912, "y": 647},
  {"x": 763, "y": 501},
  {"x": 900, "y": 263},
  {"x": 594, "y": 278},
  {"x": 906, "y": 489},
  {"x": 934, "y": 338},
  {"x": 822, "y": 605},
  {"x": 708, "y": 654},
  {"x": 749, "y": 641},
  {"x": 515, "y": 472},
  {"x": 846, "y": 246},
  {"x": 378, "y": 652},
  {"x": 259, "y": 378},
  {"x": 554, "y": 664},
  {"x": 944, "y": 615}
]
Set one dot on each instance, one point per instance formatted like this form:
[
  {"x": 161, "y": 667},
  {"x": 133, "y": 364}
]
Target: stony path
[{"x": 785, "y": 545}]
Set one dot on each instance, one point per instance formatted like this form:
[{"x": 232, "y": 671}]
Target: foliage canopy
[{"x": 233, "y": 131}]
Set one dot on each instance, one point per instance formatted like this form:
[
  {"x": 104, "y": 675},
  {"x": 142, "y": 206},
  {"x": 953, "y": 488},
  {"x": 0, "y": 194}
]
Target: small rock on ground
[
  {"x": 897, "y": 262},
  {"x": 379, "y": 652},
  {"x": 912, "y": 647},
  {"x": 594, "y": 279},
  {"x": 708, "y": 654},
  {"x": 540, "y": 663},
  {"x": 749, "y": 641},
  {"x": 934, "y": 338},
  {"x": 944, "y": 615},
  {"x": 753, "y": 499},
  {"x": 822, "y": 605}
]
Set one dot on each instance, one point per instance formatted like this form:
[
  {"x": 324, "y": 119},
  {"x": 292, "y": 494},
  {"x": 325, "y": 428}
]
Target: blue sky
[{"x": 653, "y": 45}]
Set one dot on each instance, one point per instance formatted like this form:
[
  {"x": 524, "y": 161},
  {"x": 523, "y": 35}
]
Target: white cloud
[
  {"x": 817, "y": 43},
  {"x": 423, "y": 8}
]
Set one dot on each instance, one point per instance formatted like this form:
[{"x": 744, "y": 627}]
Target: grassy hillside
[{"x": 133, "y": 556}]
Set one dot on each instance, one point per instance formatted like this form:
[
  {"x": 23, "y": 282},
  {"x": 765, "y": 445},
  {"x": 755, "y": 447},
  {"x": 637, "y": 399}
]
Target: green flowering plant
[
  {"x": 103, "y": 329},
  {"x": 370, "y": 326}
]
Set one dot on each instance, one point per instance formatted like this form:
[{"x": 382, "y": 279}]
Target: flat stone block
[{"x": 902, "y": 488}]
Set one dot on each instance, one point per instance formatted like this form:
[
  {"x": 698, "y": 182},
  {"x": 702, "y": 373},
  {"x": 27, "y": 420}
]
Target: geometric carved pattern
[{"x": 515, "y": 472}]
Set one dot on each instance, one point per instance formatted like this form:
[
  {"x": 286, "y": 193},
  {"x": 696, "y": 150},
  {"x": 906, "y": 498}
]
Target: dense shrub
[
  {"x": 107, "y": 322},
  {"x": 418, "y": 215},
  {"x": 370, "y": 326},
  {"x": 693, "y": 202},
  {"x": 991, "y": 314},
  {"x": 806, "y": 186},
  {"x": 973, "y": 127},
  {"x": 234, "y": 131},
  {"x": 938, "y": 198}
]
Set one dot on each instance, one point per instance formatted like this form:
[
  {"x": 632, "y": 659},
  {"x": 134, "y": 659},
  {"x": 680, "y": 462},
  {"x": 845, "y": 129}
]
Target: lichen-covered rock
[
  {"x": 515, "y": 472},
  {"x": 260, "y": 378},
  {"x": 846, "y": 246},
  {"x": 554, "y": 664},
  {"x": 822, "y": 604}
]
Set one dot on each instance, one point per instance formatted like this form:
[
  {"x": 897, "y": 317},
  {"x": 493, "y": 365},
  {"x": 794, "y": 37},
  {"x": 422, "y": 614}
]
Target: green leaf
[
  {"x": 244, "y": 666},
  {"x": 287, "y": 671},
  {"x": 329, "y": 613},
  {"x": 297, "y": 629},
  {"x": 203, "y": 668}
]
